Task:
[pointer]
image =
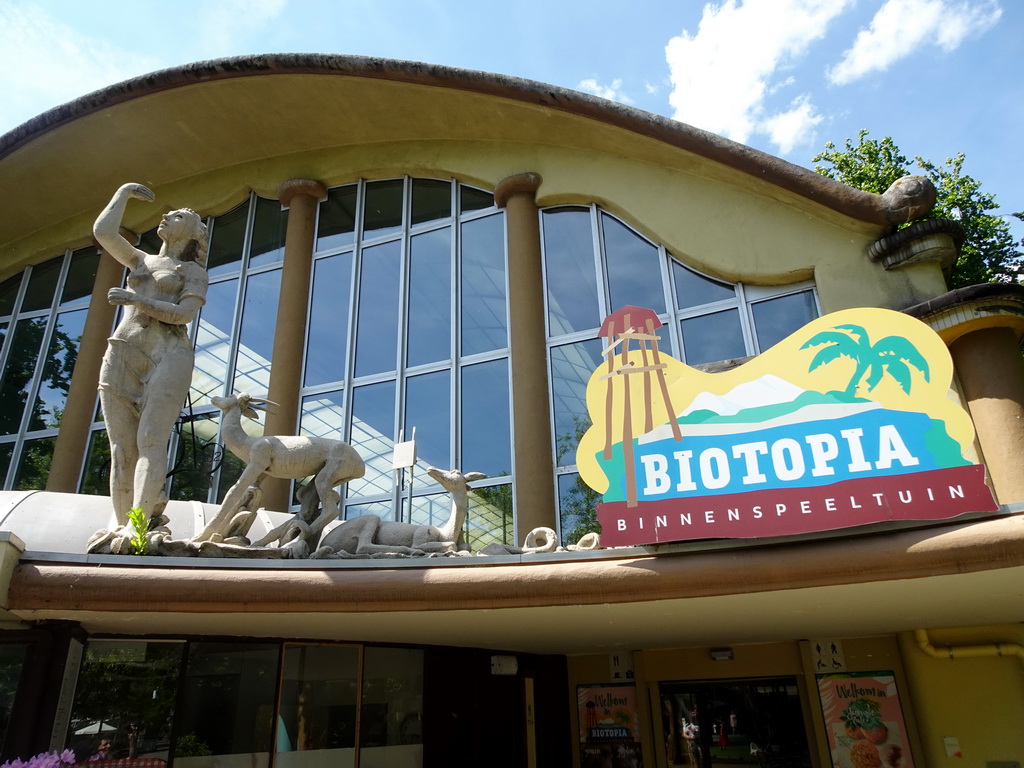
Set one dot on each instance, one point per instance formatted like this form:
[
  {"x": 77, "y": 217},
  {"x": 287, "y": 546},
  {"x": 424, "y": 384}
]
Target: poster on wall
[
  {"x": 864, "y": 720},
  {"x": 845, "y": 422},
  {"x": 609, "y": 730}
]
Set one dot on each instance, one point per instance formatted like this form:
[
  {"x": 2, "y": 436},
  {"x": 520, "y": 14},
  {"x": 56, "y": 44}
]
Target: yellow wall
[{"x": 978, "y": 701}]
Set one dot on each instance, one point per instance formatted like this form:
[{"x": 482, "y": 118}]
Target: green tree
[{"x": 990, "y": 252}]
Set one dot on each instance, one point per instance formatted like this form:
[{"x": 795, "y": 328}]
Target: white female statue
[{"x": 147, "y": 368}]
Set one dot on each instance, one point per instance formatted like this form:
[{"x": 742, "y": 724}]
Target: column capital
[
  {"x": 309, "y": 187},
  {"x": 518, "y": 183}
]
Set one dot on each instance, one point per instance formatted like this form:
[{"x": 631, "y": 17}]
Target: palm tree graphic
[{"x": 892, "y": 355}]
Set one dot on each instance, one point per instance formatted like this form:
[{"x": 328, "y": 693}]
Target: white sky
[{"x": 785, "y": 76}]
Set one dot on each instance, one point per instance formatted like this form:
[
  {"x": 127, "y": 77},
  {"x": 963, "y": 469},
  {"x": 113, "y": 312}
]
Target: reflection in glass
[
  {"x": 571, "y": 368},
  {"x": 709, "y": 338},
  {"x": 377, "y": 326},
  {"x": 775, "y": 319},
  {"x": 42, "y": 283},
  {"x": 430, "y": 510},
  {"x": 577, "y": 508},
  {"x": 486, "y": 433},
  {"x": 12, "y": 656},
  {"x": 323, "y": 415},
  {"x": 634, "y": 268},
  {"x": 381, "y": 509},
  {"x": 337, "y": 222},
  {"x": 256, "y": 336},
  {"x": 373, "y": 429},
  {"x": 268, "y": 229},
  {"x": 431, "y": 200},
  {"x": 382, "y": 214},
  {"x": 428, "y": 409},
  {"x": 96, "y": 477},
  {"x": 213, "y": 341},
  {"x": 430, "y": 297},
  {"x": 327, "y": 346},
  {"x": 490, "y": 519},
  {"x": 231, "y": 466},
  {"x": 125, "y": 695},
  {"x": 227, "y": 240},
  {"x": 9, "y": 294},
  {"x": 58, "y": 366},
  {"x": 391, "y": 720},
  {"x": 227, "y": 705},
  {"x": 6, "y": 451},
  {"x": 472, "y": 199},
  {"x": 318, "y": 711},
  {"x": 484, "y": 316},
  {"x": 692, "y": 289},
  {"x": 34, "y": 465},
  {"x": 18, "y": 373},
  {"x": 196, "y": 456},
  {"x": 570, "y": 270},
  {"x": 81, "y": 275}
]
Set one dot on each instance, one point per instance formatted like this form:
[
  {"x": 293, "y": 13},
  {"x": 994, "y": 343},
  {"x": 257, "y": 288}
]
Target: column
[
  {"x": 534, "y": 461},
  {"x": 73, "y": 438},
  {"x": 300, "y": 197}
]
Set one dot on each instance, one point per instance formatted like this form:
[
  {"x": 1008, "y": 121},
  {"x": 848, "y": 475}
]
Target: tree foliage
[{"x": 990, "y": 252}]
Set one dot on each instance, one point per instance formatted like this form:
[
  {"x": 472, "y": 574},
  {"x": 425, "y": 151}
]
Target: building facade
[{"x": 402, "y": 249}]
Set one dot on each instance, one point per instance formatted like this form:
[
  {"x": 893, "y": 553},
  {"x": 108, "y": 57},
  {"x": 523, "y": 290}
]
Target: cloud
[
  {"x": 901, "y": 27},
  {"x": 44, "y": 63},
  {"x": 740, "y": 54},
  {"x": 611, "y": 92}
]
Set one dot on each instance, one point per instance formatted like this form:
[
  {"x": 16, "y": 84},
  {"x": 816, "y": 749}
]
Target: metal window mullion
[
  {"x": 604, "y": 295},
  {"x": 13, "y": 319},
  {"x": 746, "y": 321},
  {"x": 348, "y": 375}
]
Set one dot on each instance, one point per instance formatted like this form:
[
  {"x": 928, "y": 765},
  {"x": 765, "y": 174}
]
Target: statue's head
[{"x": 187, "y": 227}]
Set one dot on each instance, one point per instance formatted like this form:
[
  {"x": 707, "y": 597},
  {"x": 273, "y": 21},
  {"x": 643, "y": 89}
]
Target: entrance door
[{"x": 724, "y": 723}]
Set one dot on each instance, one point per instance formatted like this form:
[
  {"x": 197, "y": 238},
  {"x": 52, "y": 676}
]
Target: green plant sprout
[{"x": 140, "y": 523}]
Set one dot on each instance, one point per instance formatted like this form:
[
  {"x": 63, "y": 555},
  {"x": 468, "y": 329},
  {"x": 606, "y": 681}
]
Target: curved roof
[{"x": 181, "y": 122}]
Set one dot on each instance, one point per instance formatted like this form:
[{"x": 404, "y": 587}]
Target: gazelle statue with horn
[{"x": 330, "y": 462}]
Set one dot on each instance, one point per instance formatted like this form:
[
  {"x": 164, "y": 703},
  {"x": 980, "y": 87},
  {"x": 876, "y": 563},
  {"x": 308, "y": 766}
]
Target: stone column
[
  {"x": 300, "y": 197},
  {"x": 983, "y": 325},
  {"x": 73, "y": 438},
  {"x": 534, "y": 461}
]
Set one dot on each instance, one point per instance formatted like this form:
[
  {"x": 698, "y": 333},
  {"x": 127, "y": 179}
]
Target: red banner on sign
[{"x": 934, "y": 495}]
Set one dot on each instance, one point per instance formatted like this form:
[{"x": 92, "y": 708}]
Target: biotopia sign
[{"x": 846, "y": 422}]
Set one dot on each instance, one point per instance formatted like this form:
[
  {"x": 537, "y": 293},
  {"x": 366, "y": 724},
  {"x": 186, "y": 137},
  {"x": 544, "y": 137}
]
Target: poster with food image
[
  {"x": 609, "y": 731},
  {"x": 864, "y": 720}
]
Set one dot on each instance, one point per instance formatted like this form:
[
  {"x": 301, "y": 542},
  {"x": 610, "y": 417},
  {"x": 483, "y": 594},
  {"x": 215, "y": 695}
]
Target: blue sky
[{"x": 785, "y": 76}]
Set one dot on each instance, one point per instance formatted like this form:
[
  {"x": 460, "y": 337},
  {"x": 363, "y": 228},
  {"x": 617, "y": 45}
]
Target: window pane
[
  {"x": 634, "y": 268},
  {"x": 692, "y": 289},
  {"x": 41, "y": 285},
  {"x": 125, "y": 696},
  {"x": 256, "y": 336},
  {"x": 571, "y": 368},
  {"x": 12, "y": 656},
  {"x": 337, "y": 221},
  {"x": 6, "y": 451},
  {"x": 213, "y": 341},
  {"x": 377, "y": 326},
  {"x": 227, "y": 239},
  {"x": 472, "y": 199},
  {"x": 382, "y": 214},
  {"x": 391, "y": 721},
  {"x": 196, "y": 458},
  {"x": 34, "y": 466},
  {"x": 9, "y": 294},
  {"x": 709, "y": 338},
  {"x": 490, "y": 519},
  {"x": 268, "y": 228},
  {"x": 231, "y": 466},
  {"x": 484, "y": 317},
  {"x": 227, "y": 705},
  {"x": 430, "y": 510},
  {"x": 81, "y": 275},
  {"x": 323, "y": 415},
  {"x": 96, "y": 477},
  {"x": 381, "y": 509},
  {"x": 775, "y": 319},
  {"x": 373, "y": 428},
  {"x": 571, "y": 271},
  {"x": 57, "y": 369},
  {"x": 430, "y": 200},
  {"x": 319, "y": 701},
  {"x": 486, "y": 434},
  {"x": 329, "y": 320},
  {"x": 430, "y": 297},
  {"x": 428, "y": 409},
  {"x": 18, "y": 373},
  {"x": 577, "y": 505}
]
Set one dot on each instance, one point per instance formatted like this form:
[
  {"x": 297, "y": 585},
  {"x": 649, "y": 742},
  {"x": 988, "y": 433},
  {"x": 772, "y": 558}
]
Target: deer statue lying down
[
  {"x": 331, "y": 462},
  {"x": 369, "y": 535}
]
